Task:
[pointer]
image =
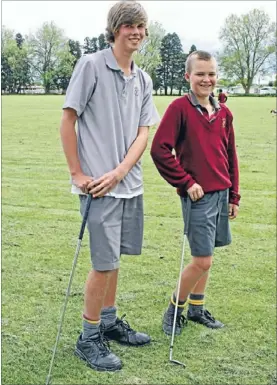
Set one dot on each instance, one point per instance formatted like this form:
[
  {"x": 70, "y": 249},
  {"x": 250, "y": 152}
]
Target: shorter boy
[{"x": 205, "y": 170}]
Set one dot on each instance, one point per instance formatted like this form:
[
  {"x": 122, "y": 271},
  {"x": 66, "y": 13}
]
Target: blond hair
[
  {"x": 125, "y": 12},
  {"x": 200, "y": 55}
]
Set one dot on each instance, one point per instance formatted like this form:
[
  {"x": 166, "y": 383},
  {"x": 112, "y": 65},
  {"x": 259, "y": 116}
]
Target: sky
[{"x": 195, "y": 22}]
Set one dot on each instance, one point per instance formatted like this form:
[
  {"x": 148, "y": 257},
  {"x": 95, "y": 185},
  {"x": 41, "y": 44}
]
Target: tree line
[{"x": 48, "y": 57}]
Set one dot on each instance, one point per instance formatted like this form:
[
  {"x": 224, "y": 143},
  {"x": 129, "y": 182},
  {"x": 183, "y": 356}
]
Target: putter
[
  {"x": 85, "y": 217},
  {"x": 179, "y": 284}
]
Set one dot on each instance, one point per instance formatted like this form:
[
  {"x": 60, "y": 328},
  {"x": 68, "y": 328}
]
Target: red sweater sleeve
[
  {"x": 164, "y": 142},
  {"x": 234, "y": 195}
]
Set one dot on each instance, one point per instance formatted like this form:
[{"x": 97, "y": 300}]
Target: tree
[
  {"x": 19, "y": 40},
  {"x": 63, "y": 71},
  {"x": 180, "y": 82},
  {"x": 171, "y": 62},
  {"x": 15, "y": 67},
  {"x": 102, "y": 43},
  {"x": 6, "y": 71},
  {"x": 94, "y": 44},
  {"x": 148, "y": 56},
  {"x": 248, "y": 43},
  {"x": 75, "y": 50},
  {"x": 192, "y": 49},
  {"x": 6, "y": 74},
  {"x": 47, "y": 45},
  {"x": 91, "y": 45}
]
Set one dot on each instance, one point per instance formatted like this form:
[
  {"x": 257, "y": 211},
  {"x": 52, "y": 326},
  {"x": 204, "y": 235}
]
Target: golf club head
[{"x": 177, "y": 363}]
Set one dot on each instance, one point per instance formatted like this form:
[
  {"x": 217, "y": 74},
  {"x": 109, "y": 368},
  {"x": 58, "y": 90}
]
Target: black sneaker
[
  {"x": 168, "y": 319},
  {"x": 205, "y": 318},
  {"x": 95, "y": 351},
  {"x": 122, "y": 333}
]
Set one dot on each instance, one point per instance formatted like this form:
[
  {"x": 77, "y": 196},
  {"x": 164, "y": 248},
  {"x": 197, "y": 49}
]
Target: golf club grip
[
  {"x": 85, "y": 217},
  {"x": 188, "y": 209}
]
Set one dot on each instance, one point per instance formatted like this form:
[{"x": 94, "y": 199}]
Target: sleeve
[
  {"x": 234, "y": 196},
  {"x": 149, "y": 114},
  {"x": 81, "y": 85},
  {"x": 164, "y": 142}
]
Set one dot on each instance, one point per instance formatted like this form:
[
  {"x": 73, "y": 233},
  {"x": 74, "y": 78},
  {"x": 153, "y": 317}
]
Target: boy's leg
[
  {"x": 191, "y": 274},
  {"x": 201, "y": 285},
  {"x": 104, "y": 224},
  {"x": 110, "y": 296},
  {"x": 197, "y": 294},
  {"x": 201, "y": 236},
  {"x": 131, "y": 243},
  {"x": 108, "y": 312},
  {"x": 196, "y": 311}
]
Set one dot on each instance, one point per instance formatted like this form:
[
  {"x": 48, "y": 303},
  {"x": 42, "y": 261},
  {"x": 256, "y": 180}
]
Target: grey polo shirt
[{"x": 110, "y": 109}]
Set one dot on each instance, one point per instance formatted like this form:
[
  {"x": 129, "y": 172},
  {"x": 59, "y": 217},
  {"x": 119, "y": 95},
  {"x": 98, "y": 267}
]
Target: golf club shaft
[
  {"x": 188, "y": 209},
  {"x": 85, "y": 217}
]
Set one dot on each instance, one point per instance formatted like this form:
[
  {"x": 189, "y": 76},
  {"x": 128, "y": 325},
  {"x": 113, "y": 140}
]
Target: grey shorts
[
  {"x": 115, "y": 227},
  {"x": 209, "y": 223}
]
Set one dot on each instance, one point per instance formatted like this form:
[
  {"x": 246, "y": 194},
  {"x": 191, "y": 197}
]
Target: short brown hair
[
  {"x": 124, "y": 12},
  {"x": 200, "y": 55}
]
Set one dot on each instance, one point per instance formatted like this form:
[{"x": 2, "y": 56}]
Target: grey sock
[
  {"x": 196, "y": 302},
  {"x": 89, "y": 329},
  {"x": 108, "y": 316}
]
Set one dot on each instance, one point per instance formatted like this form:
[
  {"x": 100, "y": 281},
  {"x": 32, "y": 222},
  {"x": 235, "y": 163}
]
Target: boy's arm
[
  {"x": 108, "y": 181},
  {"x": 163, "y": 143},
  {"x": 234, "y": 196},
  {"x": 79, "y": 92},
  {"x": 69, "y": 142}
]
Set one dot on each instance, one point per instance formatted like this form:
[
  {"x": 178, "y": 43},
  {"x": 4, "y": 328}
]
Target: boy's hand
[
  {"x": 100, "y": 187},
  {"x": 81, "y": 181},
  {"x": 233, "y": 211},
  {"x": 195, "y": 192}
]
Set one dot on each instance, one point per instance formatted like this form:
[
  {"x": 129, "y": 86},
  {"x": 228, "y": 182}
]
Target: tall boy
[
  {"x": 204, "y": 170},
  {"x": 111, "y": 98}
]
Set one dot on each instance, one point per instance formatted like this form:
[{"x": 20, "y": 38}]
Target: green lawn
[{"x": 40, "y": 226}]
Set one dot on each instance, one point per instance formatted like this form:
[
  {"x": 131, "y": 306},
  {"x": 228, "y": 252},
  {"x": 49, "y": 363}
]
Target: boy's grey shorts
[
  {"x": 209, "y": 223},
  {"x": 115, "y": 227}
]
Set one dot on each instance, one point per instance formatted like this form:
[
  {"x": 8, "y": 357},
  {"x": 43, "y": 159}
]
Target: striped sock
[
  {"x": 196, "y": 302},
  {"x": 90, "y": 327},
  {"x": 180, "y": 306}
]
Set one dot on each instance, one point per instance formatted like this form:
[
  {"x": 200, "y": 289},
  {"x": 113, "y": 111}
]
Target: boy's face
[
  {"x": 203, "y": 76},
  {"x": 130, "y": 37}
]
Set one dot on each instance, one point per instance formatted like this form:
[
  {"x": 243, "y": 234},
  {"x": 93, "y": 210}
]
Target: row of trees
[{"x": 48, "y": 57}]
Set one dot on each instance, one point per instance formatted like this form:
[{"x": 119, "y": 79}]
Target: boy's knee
[{"x": 203, "y": 263}]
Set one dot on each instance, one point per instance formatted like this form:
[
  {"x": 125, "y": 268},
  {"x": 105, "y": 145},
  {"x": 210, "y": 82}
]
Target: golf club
[
  {"x": 179, "y": 283},
  {"x": 85, "y": 217}
]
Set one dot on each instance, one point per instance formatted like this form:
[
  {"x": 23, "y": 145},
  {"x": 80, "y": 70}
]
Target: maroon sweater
[{"x": 205, "y": 150}]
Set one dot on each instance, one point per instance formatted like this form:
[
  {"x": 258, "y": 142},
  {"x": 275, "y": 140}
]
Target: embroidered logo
[
  {"x": 223, "y": 123},
  {"x": 136, "y": 91}
]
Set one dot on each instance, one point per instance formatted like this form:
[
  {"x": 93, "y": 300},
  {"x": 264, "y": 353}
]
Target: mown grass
[{"x": 40, "y": 226}]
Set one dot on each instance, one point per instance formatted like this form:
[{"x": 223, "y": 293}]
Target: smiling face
[
  {"x": 202, "y": 76},
  {"x": 130, "y": 36}
]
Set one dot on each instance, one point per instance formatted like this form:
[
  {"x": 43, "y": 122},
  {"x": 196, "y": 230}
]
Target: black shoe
[
  {"x": 204, "y": 317},
  {"x": 122, "y": 333},
  {"x": 95, "y": 351},
  {"x": 168, "y": 319}
]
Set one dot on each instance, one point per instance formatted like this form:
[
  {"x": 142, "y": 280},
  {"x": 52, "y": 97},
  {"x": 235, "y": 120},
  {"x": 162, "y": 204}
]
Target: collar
[
  {"x": 112, "y": 63},
  {"x": 194, "y": 101}
]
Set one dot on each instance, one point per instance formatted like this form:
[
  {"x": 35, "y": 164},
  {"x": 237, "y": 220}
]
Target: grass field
[{"x": 40, "y": 226}]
